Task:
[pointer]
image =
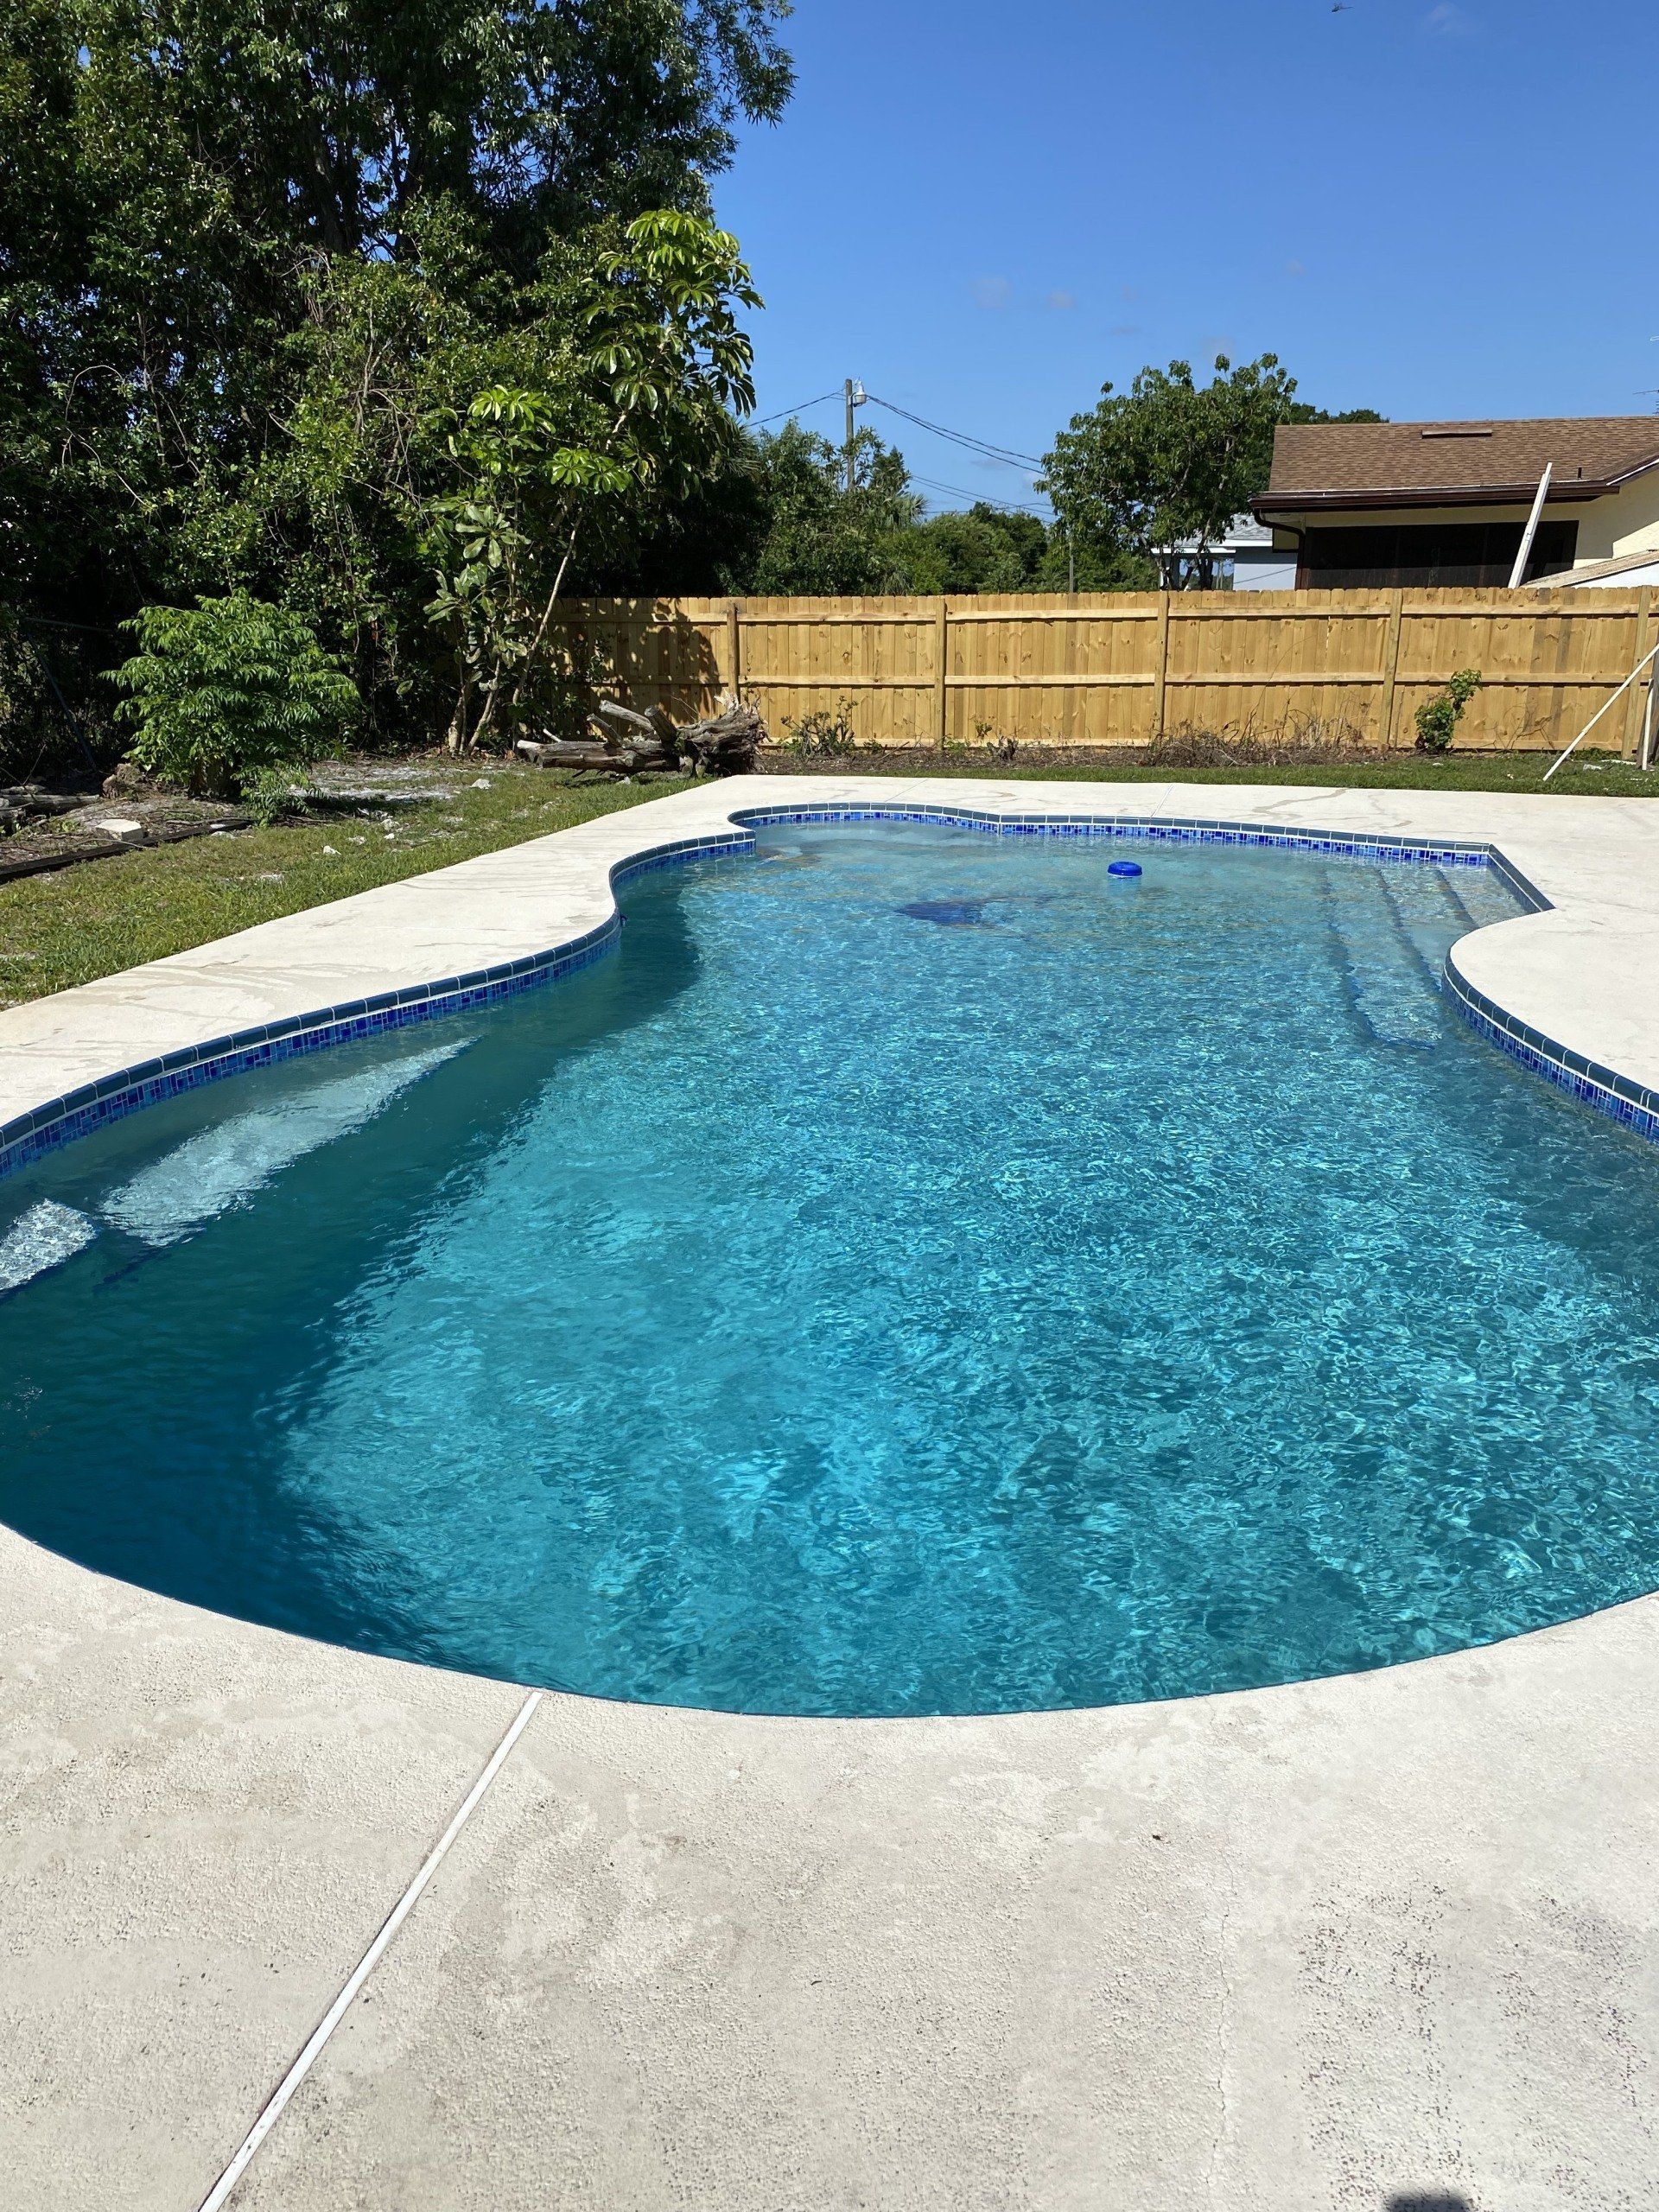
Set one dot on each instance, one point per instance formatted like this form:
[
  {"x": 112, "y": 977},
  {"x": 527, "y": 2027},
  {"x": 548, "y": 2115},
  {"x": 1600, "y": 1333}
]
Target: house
[
  {"x": 1367, "y": 504},
  {"x": 1244, "y": 556}
]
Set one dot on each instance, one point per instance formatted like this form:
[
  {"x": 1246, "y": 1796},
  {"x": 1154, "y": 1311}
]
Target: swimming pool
[{"x": 917, "y": 1274}]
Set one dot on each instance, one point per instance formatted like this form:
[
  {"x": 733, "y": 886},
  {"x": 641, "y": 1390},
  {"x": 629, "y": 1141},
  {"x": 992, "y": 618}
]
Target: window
[{"x": 1429, "y": 553}]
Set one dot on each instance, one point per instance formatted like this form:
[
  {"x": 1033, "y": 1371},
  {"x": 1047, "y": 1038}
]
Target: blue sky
[{"x": 984, "y": 209}]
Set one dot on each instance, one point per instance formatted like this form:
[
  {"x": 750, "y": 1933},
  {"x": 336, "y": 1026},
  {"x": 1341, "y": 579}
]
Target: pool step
[
  {"x": 1428, "y": 913},
  {"x": 225, "y": 1163},
  {"x": 1453, "y": 893},
  {"x": 1390, "y": 978}
]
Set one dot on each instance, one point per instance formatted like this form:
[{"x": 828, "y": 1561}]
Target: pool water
[{"x": 917, "y": 1274}]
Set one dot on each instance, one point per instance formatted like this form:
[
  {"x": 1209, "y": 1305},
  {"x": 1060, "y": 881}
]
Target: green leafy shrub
[
  {"x": 220, "y": 692},
  {"x": 1438, "y": 719}
]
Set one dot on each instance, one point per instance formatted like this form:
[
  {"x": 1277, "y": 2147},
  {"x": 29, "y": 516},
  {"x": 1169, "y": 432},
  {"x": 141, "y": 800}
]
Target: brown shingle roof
[{"x": 1418, "y": 464}]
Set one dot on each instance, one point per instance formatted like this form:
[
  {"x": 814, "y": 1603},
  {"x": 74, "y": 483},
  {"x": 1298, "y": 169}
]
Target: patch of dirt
[
  {"x": 41, "y": 830},
  {"x": 409, "y": 779},
  {"x": 94, "y": 827}
]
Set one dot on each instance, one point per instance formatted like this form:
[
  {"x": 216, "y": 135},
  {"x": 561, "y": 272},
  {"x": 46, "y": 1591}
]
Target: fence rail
[{"x": 1112, "y": 669}]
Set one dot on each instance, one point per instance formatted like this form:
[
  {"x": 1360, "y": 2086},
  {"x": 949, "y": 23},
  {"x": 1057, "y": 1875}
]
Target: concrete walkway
[{"x": 1386, "y": 1941}]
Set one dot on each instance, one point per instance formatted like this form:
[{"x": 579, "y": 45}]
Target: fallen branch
[
  {"x": 726, "y": 743},
  {"x": 630, "y": 743},
  {"x": 20, "y": 802}
]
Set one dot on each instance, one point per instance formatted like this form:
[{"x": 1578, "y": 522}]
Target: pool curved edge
[
  {"x": 1634, "y": 1104},
  {"x": 112, "y": 1092}
]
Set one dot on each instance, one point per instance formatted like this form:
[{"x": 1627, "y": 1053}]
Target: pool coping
[
  {"x": 1163, "y": 1942},
  {"x": 39, "y": 1129}
]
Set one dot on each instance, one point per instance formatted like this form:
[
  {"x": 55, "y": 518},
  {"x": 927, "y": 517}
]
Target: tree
[
  {"x": 981, "y": 548},
  {"x": 642, "y": 401},
  {"x": 823, "y": 537},
  {"x": 704, "y": 544},
  {"x": 1171, "y": 460},
  {"x": 776, "y": 517},
  {"x": 1299, "y": 411}
]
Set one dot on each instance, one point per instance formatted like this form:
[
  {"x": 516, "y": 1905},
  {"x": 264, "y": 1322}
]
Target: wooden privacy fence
[{"x": 1117, "y": 668}]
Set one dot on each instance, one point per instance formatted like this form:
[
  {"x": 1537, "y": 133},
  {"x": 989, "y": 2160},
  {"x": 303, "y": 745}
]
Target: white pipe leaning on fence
[
  {"x": 1517, "y": 574},
  {"x": 1602, "y": 709}
]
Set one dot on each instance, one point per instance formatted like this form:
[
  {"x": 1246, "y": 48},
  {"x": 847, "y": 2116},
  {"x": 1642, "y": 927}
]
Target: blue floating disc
[{"x": 1124, "y": 868}]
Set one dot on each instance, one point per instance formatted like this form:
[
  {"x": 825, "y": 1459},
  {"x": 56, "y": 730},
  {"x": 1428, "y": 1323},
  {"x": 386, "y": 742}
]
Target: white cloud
[
  {"x": 991, "y": 291},
  {"x": 1061, "y": 300},
  {"x": 1448, "y": 19}
]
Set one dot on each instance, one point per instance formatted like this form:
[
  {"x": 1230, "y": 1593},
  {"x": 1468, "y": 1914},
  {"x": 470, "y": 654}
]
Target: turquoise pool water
[{"x": 916, "y": 1274}]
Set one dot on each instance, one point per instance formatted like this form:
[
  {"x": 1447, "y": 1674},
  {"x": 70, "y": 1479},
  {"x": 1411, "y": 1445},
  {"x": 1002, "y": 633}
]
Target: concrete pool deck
[{"x": 1388, "y": 1940}]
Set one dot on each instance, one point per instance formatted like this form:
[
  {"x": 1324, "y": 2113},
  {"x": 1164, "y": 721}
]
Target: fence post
[
  {"x": 1161, "y": 679},
  {"x": 941, "y": 646},
  {"x": 733, "y": 650},
  {"x": 1633, "y": 706},
  {"x": 1390, "y": 671}
]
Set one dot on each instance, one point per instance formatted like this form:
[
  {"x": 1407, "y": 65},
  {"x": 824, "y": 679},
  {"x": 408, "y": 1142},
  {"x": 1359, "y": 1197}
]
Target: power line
[
  {"x": 1004, "y": 456},
  {"x": 801, "y": 409},
  {"x": 981, "y": 446},
  {"x": 1008, "y": 456},
  {"x": 981, "y": 498}
]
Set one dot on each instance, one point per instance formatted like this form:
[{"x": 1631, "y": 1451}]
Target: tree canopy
[
  {"x": 832, "y": 527},
  {"x": 258, "y": 267},
  {"x": 1172, "y": 461},
  {"x": 778, "y": 517}
]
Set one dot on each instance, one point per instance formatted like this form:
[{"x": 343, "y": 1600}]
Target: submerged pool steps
[
  {"x": 1390, "y": 979},
  {"x": 1423, "y": 904}
]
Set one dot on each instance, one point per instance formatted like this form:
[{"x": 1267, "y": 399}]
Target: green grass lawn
[
  {"x": 91, "y": 920},
  {"x": 108, "y": 914},
  {"x": 1592, "y": 775}
]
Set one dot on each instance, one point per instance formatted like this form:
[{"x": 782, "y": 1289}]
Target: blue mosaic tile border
[
  {"x": 1171, "y": 830},
  {"x": 61, "y": 1121},
  {"x": 1605, "y": 1089}
]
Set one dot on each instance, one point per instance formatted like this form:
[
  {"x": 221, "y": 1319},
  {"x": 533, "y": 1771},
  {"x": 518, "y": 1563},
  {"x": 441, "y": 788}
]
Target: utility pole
[{"x": 853, "y": 392}]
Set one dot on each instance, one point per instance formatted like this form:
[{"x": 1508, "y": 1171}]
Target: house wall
[
  {"x": 1264, "y": 567},
  {"x": 1628, "y": 522}
]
